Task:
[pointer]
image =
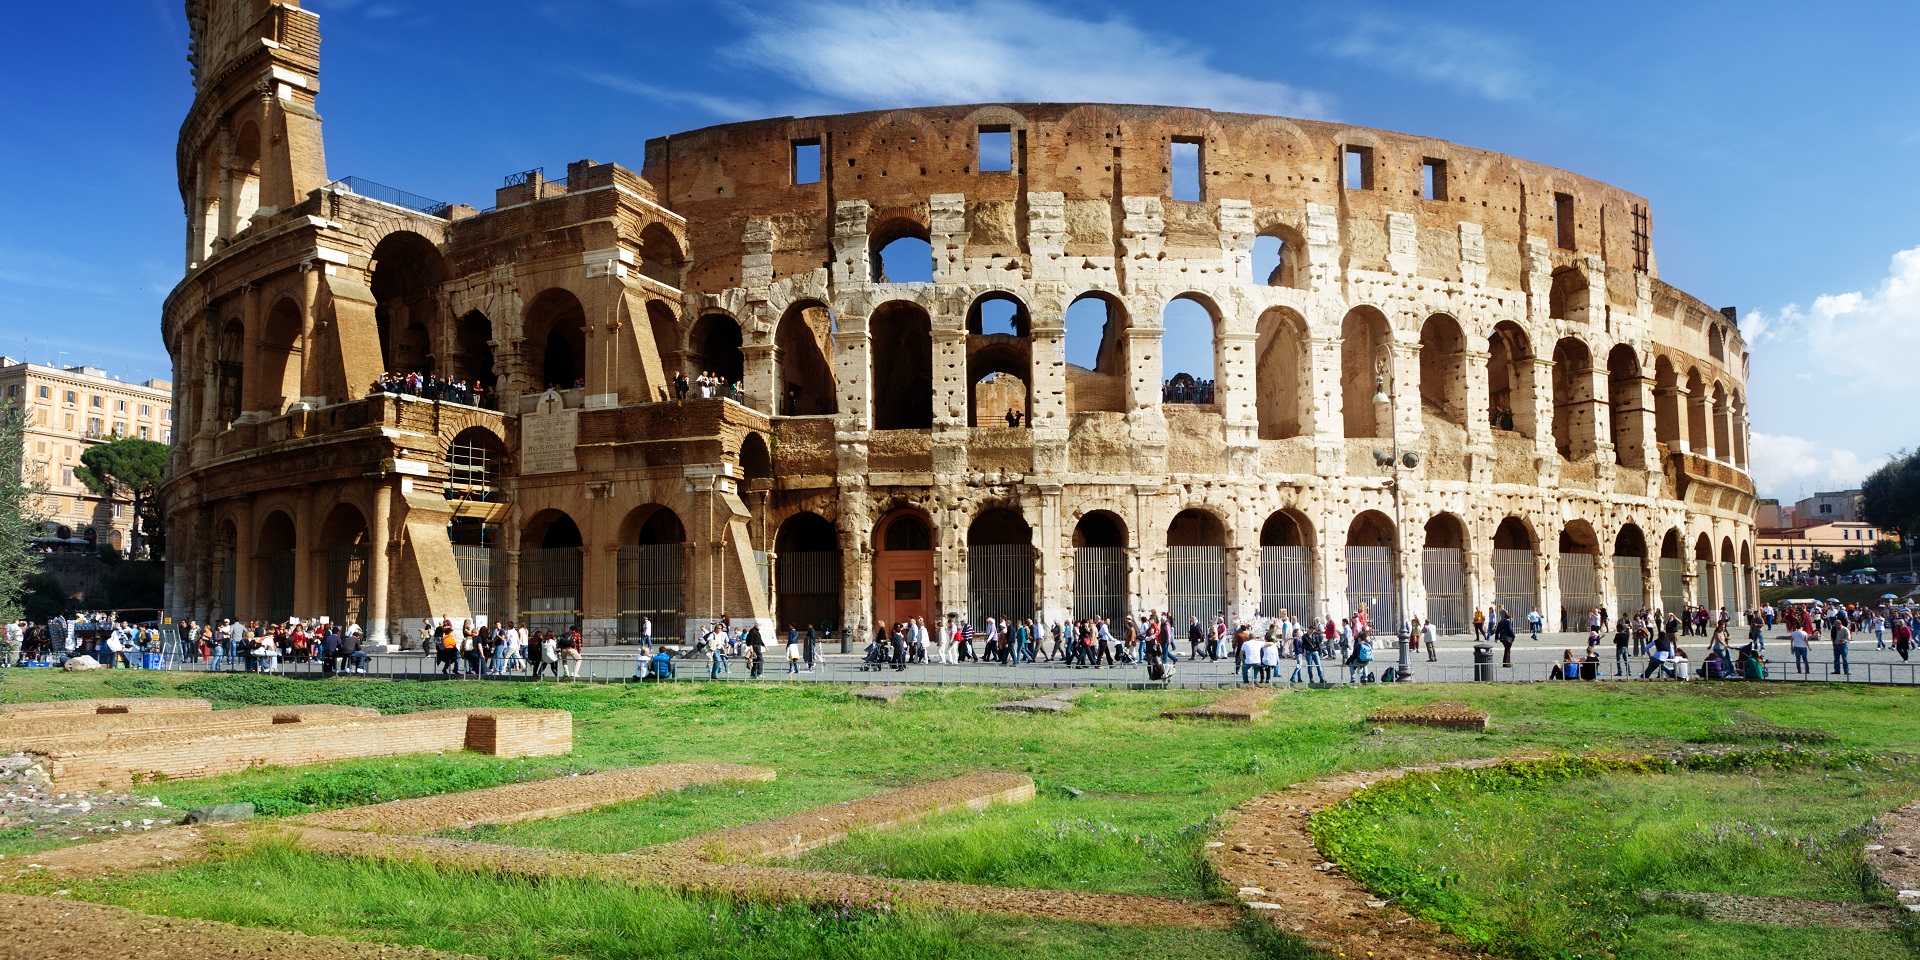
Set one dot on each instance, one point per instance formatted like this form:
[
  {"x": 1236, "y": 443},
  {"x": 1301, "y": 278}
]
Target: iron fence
[
  {"x": 1196, "y": 584},
  {"x": 1371, "y": 579},
  {"x": 1000, "y": 581},
  {"x": 1286, "y": 582},
  {"x": 1100, "y": 583},
  {"x": 1443, "y": 570}
]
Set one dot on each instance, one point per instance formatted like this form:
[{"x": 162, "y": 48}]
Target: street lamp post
[{"x": 1394, "y": 460}]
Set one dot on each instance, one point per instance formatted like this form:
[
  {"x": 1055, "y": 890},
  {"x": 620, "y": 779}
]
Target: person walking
[
  {"x": 1430, "y": 635},
  {"x": 1312, "y": 642},
  {"x": 1622, "y": 637},
  {"x": 1504, "y": 633},
  {"x": 1479, "y": 625},
  {"x": 1534, "y": 623},
  {"x": 1797, "y": 639},
  {"x": 1839, "y": 635}
]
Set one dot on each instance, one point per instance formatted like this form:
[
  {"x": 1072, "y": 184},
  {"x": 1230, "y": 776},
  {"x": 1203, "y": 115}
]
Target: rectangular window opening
[
  {"x": 996, "y": 149},
  {"x": 1358, "y": 163},
  {"x": 1433, "y": 179},
  {"x": 1563, "y": 219},
  {"x": 806, "y": 162},
  {"x": 1185, "y": 167}
]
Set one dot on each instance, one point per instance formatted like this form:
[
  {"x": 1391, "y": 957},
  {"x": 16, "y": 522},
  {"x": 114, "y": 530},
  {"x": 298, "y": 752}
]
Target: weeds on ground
[{"x": 1546, "y": 860}]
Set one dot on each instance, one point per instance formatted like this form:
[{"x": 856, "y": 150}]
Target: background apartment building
[{"x": 68, "y": 410}]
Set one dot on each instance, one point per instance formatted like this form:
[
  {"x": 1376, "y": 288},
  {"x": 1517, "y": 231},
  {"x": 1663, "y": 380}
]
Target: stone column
[
  {"x": 1053, "y": 546},
  {"x": 1539, "y": 401},
  {"x": 763, "y": 386},
  {"x": 243, "y": 600},
  {"x": 1700, "y": 411},
  {"x": 309, "y": 598},
  {"x": 853, "y": 371},
  {"x": 1243, "y": 587},
  {"x": 380, "y": 566}
]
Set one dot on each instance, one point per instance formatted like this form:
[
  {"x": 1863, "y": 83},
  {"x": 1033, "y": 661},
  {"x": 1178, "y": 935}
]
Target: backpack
[{"x": 447, "y": 642}]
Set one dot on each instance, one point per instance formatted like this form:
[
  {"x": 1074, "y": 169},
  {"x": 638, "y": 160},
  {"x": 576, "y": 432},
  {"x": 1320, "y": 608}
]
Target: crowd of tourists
[
  {"x": 705, "y": 386},
  {"x": 430, "y": 387}
]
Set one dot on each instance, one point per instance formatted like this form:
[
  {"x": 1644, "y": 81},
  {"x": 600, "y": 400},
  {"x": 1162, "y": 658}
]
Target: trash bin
[
  {"x": 153, "y": 661},
  {"x": 1483, "y": 661}
]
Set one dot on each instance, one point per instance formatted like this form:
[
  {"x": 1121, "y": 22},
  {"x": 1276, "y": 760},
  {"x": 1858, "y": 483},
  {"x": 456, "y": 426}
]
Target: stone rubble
[{"x": 30, "y": 801}]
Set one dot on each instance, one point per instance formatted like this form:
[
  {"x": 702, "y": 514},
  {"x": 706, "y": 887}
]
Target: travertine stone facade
[{"x": 1577, "y": 420}]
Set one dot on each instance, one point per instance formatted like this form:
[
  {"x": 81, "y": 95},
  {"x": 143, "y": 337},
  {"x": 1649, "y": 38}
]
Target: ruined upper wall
[{"x": 1094, "y": 153}]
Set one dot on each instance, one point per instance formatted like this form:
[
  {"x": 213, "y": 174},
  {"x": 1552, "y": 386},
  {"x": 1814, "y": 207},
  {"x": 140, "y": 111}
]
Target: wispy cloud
[
  {"x": 892, "y": 53},
  {"x": 1792, "y": 467},
  {"x": 1483, "y": 64},
  {"x": 726, "y": 108},
  {"x": 1870, "y": 337}
]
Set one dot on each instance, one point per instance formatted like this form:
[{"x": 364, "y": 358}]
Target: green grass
[
  {"x": 415, "y": 904},
  {"x": 1547, "y": 861},
  {"x": 1126, "y": 799}
]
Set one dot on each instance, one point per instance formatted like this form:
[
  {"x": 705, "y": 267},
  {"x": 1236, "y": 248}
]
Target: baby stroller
[{"x": 1160, "y": 671}]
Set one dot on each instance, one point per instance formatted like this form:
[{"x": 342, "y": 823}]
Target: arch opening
[
  {"x": 1373, "y": 576},
  {"x": 902, "y": 382},
  {"x": 903, "y": 567},
  {"x": 1575, "y": 427},
  {"x": 347, "y": 542},
  {"x": 1510, "y": 379},
  {"x": 407, "y": 273},
  {"x": 1626, "y": 406},
  {"x": 1579, "y": 562},
  {"x": 652, "y": 578},
  {"x": 1100, "y": 566},
  {"x": 807, "y": 574},
  {"x": 1630, "y": 570},
  {"x": 473, "y": 356},
  {"x": 1196, "y": 568},
  {"x": 713, "y": 350},
  {"x": 275, "y": 547},
  {"x": 1286, "y": 567},
  {"x": 1284, "y": 395},
  {"x": 1096, "y": 355},
  {"x": 1000, "y": 566},
  {"x": 1364, "y": 368},
  {"x": 1277, "y": 260},
  {"x": 1515, "y": 577},
  {"x": 802, "y": 345},
  {"x": 550, "y": 572},
  {"x": 556, "y": 341},
  {"x": 900, "y": 252},
  {"x": 1567, "y": 298},
  {"x": 1443, "y": 571},
  {"x": 281, "y": 358},
  {"x": 1673, "y": 573},
  {"x": 1188, "y": 350},
  {"x": 1443, "y": 370}
]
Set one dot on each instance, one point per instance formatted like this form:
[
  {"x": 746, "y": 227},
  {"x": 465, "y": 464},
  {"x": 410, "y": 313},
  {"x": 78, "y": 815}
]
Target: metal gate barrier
[
  {"x": 1000, "y": 582},
  {"x": 1370, "y": 580},
  {"x": 1286, "y": 583},
  {"x": 1444, "y": 572},
  {"x": 1196, "y": 585},
  {"x": 1100, "y": 582}
]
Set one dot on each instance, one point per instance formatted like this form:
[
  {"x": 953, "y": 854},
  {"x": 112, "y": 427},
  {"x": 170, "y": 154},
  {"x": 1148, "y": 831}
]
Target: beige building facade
[
  {"x": 69, "y": 409},
  {"x": 1797, "y": 550},
  {"x": 1579, "y": 425}
]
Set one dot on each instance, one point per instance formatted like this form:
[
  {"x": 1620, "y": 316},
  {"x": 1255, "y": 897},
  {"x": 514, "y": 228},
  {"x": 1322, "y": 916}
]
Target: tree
[
  {"x": 1890, "y": 496},
  {"x": 20, "y": 517},
  {"x": 128, "y": 468}
]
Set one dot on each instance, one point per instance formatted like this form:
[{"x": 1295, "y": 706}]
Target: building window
[
  {"x": 996, "y": 149},
  {"x": 99, "y": 401},
  {"x": 13, "y": 391},
  {"x": 120, "y": 406},
  {"x": 146, "y": 410},
  {"x": 66, "y": 476},
  {"x": 69, "y": 423},
  {"x": 1563, "y": 220},
  {"x": 72, "y": 397},
  {"x": 1358, "y": 165},
  {"x": 1184, "y": 164},
  {"x": 143, "y": 434},
  {"x": 806, "y": 161},
  {"x": 119, "y": 429},
  {"x": 1433, "y": 179},
  {"x": 1642, "y": 238},
  {"x": 166, "y": 436},
  {"x": 167, "y": 414},
  {"x": 46, "y": 393}
]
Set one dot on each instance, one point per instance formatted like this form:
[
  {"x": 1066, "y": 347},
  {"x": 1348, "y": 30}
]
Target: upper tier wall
[{"x": 897, "y": 159}]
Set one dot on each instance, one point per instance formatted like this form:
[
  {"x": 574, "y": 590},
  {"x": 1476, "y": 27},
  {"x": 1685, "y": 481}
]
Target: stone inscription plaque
[{"x": 547, "y": 437}]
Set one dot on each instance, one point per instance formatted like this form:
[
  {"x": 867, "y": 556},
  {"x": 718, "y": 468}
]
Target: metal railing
[{"x": 361, "y": 187}]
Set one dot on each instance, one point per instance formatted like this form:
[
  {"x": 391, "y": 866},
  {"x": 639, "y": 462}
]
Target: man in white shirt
[
  {"x": 1249, "y": 657},
  {"x": 1430, "y": 635}
]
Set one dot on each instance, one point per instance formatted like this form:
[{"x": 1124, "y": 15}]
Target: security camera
[
  {"x": 1411, "y": 459},
  {"x": 1382, "y": 458}
]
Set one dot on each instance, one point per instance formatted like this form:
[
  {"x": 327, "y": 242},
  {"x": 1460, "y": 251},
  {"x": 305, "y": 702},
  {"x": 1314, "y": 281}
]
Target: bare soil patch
[
  {"x": 54, "y": 928},
  {"x": 1895, "y": 857},
  {"x": 1245, "y": 705},
  {"x": 791, "y": 836},
  {"x": 1059, "y": 701},
  {"x": 1445, "y": 714},
  {"x": 1773, "y": 911},
  {"x": 154, "y": 850},
  {"x": 534, "y": 800}
]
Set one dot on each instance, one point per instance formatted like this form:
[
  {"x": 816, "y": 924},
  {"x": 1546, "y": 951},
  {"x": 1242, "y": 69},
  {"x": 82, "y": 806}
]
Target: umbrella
[
  {"x": 1833, "y": 599},
  {"x": 1866, "y": 570},
  {"x": 1888, "y": 596}
]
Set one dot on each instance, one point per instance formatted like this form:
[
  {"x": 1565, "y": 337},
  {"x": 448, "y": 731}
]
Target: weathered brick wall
[{"x": 501, "y": 732}]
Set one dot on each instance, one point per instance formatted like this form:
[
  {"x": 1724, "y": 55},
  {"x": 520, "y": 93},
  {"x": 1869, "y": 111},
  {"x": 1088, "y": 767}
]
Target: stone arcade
[{"x": 1581, "y": 424}]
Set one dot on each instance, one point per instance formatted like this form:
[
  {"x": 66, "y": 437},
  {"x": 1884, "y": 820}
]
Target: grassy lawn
[
  {"x": 1551, "y": 865},
  {"x": 1126, "y": 800}
]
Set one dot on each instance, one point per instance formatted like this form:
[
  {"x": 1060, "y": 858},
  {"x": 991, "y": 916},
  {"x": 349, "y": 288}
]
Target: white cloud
[
  {"x": 726, "y": 108},
  {"x": 1793, "y": 467},
  {"x": 1865, "y": 341},
  {"x": 892, "y": 53},
  {"x": 1482, "y": 64}
]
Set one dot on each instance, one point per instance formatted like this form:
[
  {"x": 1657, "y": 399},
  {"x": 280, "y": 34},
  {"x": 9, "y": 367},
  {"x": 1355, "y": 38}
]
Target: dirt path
[
  {"x": 1268, "y": 855},
  {"x": 533, "y": 800},
  {"x": 54, "y": 928},
  {"x": 792, "y": 836},
  {"x": 694, "y": 875},
  {"x": 1246, "y": 704},
  {"x": 155, "y": 850},
  {"x": 1895, "y": 857}
]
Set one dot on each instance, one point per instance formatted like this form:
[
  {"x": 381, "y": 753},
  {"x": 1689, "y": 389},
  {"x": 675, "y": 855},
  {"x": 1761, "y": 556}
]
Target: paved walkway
[{"x": 1531, "y": 661}]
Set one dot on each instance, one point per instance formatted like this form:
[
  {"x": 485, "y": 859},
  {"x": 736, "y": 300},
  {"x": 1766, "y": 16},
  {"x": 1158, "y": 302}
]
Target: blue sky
[{"x": 1776, "y": 142}]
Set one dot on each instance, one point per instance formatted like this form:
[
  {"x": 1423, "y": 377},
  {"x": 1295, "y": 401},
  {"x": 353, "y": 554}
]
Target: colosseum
[{"x": 1002, "y": 436}]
